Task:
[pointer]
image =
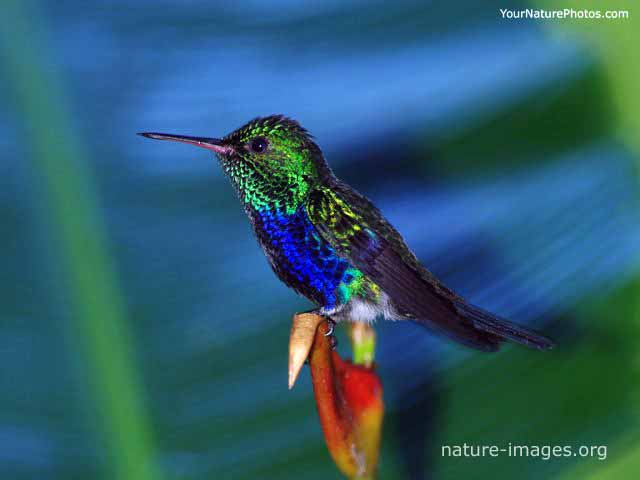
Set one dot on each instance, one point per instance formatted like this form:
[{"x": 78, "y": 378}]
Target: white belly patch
[{"x": 359, "y": 310}]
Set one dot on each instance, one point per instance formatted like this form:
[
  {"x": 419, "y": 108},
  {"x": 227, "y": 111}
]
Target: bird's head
[{"x": 272, "y": 161}]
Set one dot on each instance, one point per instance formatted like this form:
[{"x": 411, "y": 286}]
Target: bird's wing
[{"x": 356, "y": 229}]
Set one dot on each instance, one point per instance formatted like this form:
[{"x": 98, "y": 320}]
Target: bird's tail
[{"x": 489, "y": 323}]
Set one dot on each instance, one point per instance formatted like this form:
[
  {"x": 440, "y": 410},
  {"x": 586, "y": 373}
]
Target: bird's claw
[
  {"x": 332, "y": 327},
  {"x": 330, "y": 333}
]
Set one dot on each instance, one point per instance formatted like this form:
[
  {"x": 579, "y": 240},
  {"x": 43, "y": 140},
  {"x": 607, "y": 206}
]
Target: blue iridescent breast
[{"x": 301, "y": 258}]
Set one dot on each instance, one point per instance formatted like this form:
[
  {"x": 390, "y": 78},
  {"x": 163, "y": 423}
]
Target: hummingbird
[{"x": 331, "y": 245}]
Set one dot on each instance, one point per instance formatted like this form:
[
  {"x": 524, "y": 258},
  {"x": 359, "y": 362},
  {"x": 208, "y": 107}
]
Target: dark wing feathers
[
  {"x": 418, "y": 300},
  {"x": 359, "y": 233}
]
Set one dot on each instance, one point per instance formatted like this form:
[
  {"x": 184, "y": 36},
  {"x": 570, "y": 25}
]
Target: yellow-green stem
[{"x": 363, "y": 344}]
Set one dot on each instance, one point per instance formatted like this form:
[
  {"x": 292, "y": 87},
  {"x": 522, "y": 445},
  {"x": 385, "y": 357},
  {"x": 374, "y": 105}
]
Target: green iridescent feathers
[
  {"x": 279, "y": 177},
  {"x": 334, "y": 218},
  {"x": 346, "y": 218},
  {"x": 359, "y": 285}
]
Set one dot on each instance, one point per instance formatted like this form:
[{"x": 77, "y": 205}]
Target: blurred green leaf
[{"x": 69, "y": 205}]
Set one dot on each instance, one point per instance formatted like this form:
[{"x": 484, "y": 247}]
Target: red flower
[{"x": 350, "y": 407}]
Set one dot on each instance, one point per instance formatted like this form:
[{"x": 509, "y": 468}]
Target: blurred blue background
[{"x": 143, "y": 335}]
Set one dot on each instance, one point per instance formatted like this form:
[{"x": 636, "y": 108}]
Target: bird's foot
[
  {"x": 332, "y": 327},
  {"x": 330, "y": 333}
]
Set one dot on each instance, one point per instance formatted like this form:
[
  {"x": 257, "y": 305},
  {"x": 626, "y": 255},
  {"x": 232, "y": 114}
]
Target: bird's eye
[{"x": 258, "y": 145}]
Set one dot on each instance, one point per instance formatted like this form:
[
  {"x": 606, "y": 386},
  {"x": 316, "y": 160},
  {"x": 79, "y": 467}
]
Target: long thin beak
[{"x": 214, "y": 144}]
